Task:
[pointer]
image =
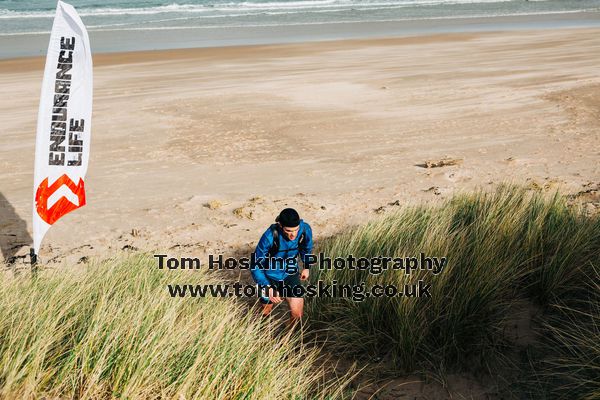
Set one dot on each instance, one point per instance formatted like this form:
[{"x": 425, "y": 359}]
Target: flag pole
[{"x": 34, "y": 263}]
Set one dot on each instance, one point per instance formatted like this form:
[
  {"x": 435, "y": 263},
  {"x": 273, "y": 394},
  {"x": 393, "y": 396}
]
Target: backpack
[{"x": 275, "y": 247}]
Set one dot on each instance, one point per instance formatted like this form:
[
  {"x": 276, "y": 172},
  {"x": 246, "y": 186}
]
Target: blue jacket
[{"x": 275, "y": 267}]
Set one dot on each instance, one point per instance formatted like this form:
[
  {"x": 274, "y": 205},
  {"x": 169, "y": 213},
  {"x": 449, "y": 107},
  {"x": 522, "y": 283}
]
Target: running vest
[{"x": 275, "y": 246}]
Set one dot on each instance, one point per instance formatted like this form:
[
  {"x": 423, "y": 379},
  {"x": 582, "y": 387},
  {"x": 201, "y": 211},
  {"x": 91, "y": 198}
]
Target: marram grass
[
  {"x": 113, "y": 331},
  {"x": 502, "y": 247},
  {"x": 571, "y": 337}
]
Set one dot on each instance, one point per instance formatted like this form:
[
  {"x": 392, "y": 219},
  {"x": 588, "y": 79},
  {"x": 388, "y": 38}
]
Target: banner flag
[{"x": 62, "y": 144}]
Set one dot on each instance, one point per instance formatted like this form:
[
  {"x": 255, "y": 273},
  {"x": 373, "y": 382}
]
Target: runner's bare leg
[
  {"x": 296, "y": 309},
  {"x": 266, "y": 309}
]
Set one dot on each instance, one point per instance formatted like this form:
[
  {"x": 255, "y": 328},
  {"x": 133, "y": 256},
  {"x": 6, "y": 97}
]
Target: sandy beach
[{"x": 195, "y": 151}]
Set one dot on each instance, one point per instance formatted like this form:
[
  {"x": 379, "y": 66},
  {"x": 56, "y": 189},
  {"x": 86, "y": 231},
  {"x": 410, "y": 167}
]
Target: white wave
[
  {"x": 101, "y": 28},
  {"x": 241, "y": 6}
]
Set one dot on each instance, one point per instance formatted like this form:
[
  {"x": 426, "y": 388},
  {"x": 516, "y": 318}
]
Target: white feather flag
[{"x": 64, "y": 123}]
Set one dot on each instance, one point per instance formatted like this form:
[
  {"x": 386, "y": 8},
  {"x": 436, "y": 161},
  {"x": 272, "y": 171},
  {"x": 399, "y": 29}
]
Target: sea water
[{"x": 236, "y": 21}]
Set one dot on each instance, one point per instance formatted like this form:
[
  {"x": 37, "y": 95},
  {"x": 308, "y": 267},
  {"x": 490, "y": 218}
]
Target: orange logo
[{"x": 63, "y": 205}]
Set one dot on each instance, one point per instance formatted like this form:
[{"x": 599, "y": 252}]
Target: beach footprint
[{"x": 458, "y": 175}]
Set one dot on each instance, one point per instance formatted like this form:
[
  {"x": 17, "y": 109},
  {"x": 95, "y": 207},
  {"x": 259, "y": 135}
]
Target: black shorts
[{"x": 289, "y": 287}]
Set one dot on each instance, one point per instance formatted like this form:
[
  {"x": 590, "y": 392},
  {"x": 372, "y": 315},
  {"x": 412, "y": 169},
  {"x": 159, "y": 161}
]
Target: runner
[{"x": 277, "y": 265}]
